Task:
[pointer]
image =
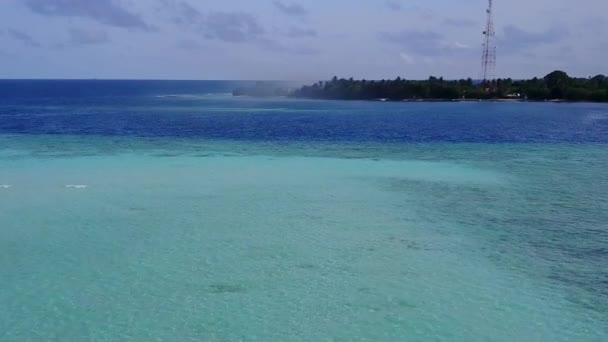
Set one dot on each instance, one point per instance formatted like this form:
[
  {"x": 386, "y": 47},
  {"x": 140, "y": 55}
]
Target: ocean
[{"x": 173, "y": 211}]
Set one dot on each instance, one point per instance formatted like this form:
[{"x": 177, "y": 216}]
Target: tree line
[{"x": 557, "y": 85}]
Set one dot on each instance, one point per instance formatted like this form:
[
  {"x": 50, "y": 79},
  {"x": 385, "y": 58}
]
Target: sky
[{"x": 297, "y": 40}]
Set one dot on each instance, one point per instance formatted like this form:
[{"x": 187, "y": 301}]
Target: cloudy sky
[{"x": 296, "y": 39}]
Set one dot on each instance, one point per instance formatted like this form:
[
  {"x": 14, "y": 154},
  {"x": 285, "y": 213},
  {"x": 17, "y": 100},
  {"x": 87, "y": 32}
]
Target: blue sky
[{"x": 296, "y": 40}]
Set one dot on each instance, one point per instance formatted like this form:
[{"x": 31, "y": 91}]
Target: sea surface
[{"x": 172, "y": 211}]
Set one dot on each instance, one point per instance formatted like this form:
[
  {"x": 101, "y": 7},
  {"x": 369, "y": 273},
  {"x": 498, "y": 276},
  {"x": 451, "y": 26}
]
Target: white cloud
[
  {"x": 458, "y": 45},
  {"x": 408, "y": 59},
  {"x": 291, "y": 38}
]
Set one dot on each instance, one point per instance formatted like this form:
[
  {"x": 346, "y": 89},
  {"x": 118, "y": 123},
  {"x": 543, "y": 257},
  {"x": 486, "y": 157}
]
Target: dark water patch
[
  {"x": 364, "y": 290},
  {"x": 373, "y": 301},
  {"x": 547, "y": 230},
  {"x": 591, "y": 304},
  {"x": 307, "y": 266},
  {"x": 226, "y": 288},
  {"x": 167, "y": 155},
  {"x": 405, "y": 304},
  {"x": 409, "y": 244}
]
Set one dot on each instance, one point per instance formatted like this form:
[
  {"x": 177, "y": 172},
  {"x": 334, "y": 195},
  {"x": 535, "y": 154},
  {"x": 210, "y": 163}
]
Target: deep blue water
[{"x": 150, "y": 109}]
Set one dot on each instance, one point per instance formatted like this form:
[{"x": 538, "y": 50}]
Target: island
[{"x": 556, "y": 86}]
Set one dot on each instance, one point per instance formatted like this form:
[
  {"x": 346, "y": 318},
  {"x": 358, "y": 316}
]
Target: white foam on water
[
  {"x": 5, "y": 186},
  {"x": 166, "y": 96},
  {"x": 76, "y": 186},
  {"x": 594, "y": 117},
  {"x": 194, "y": 96}
]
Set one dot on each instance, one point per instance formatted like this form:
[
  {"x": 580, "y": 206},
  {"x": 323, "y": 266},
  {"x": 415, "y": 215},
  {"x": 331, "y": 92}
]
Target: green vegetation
[{"x": 555, "y": 86}]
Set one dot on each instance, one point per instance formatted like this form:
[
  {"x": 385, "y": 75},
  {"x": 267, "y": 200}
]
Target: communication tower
[{"x": 488, "y": 59}]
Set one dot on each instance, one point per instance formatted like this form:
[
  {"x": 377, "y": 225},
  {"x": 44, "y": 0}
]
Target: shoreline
[{"x": 420, "y": 100}]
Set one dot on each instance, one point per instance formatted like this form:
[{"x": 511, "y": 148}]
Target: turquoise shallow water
[
  {"x": 130, "y": 215},
  {"x": 224, "y": 240}
]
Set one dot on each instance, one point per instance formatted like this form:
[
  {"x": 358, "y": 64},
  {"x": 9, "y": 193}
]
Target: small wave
[
  {"x": 595, "y": 117},
  {"x": 76, "y": 186},
  {"x": 5, "y": 186},
  {"x": 167, "y": 96},
  {"x": 193, "y": 96}
]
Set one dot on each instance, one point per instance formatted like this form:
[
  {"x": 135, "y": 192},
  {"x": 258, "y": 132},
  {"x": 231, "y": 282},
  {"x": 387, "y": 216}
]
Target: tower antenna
[{"x": 488, "y": 58}]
